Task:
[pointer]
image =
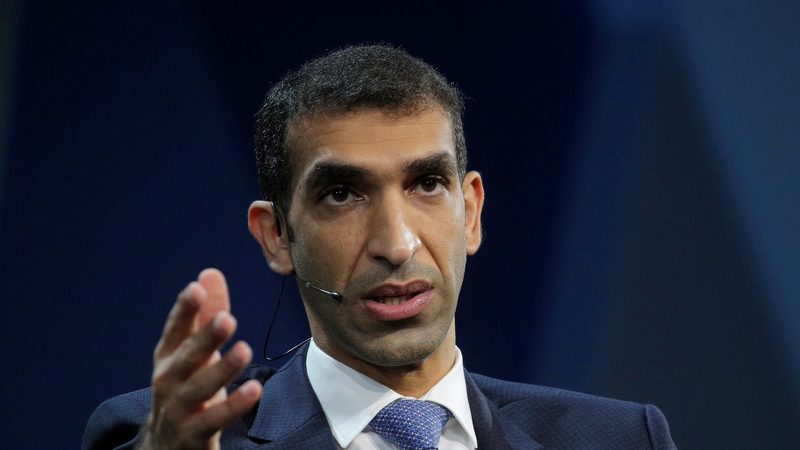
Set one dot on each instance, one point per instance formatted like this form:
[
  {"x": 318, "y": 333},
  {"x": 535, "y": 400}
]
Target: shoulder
[
  {"x": 116, "y": 422},
  {"x": 506, "y": 393},
  {"x": 571, "y": 419}
]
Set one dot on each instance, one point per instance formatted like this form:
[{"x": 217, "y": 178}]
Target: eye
[
  {"x": 430, "y": 185},
  {"x": 340, "y": 195}
]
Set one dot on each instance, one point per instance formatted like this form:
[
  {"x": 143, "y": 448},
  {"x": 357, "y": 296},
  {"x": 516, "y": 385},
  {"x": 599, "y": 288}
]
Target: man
[{"x": 362, "y": 164}]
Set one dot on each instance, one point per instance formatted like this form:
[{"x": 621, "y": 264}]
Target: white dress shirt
[{"x": 350, "y": 400}]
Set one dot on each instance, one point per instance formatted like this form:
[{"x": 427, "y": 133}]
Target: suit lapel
[
  {"x": 289, "y": 414},
  {"x": 489, "y": 429}
]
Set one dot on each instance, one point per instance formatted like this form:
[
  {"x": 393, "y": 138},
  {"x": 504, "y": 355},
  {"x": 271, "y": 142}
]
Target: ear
[
  {"x": 473, "y": 205},
  {"x": 263, "y": 222}
]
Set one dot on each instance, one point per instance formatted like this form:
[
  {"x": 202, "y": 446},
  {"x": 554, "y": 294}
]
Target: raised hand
[{"x": 190, "y": 405}]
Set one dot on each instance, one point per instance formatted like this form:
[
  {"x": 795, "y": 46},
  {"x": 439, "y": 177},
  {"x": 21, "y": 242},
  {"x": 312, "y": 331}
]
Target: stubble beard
[{"x": 408, "y": 346}]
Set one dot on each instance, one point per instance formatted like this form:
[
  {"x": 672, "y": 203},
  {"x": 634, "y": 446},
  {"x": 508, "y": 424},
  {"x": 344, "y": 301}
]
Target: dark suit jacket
[{"x": 506, "y": 415}]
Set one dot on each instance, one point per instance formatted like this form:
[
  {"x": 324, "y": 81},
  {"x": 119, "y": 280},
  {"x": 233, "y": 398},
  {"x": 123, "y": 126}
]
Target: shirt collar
[{"x": 351, "y": 399}]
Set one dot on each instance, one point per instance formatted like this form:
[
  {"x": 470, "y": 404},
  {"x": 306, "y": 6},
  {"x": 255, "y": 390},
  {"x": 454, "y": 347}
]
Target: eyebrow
[
  {"x": 441, "y": 162},
  {"x": 326, "y": 173}
]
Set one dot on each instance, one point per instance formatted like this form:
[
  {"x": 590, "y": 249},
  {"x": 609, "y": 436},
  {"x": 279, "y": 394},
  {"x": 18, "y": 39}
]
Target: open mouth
[
  {"x": 394, "y": 294},
  {"x": 396, "y": 302}
]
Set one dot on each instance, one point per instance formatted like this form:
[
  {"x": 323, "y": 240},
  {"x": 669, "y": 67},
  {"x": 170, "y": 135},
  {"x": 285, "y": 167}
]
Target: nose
[{"x": 392, "y": 238}]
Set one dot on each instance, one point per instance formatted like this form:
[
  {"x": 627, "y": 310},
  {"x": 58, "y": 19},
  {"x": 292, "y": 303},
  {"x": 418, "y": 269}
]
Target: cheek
[
  {"x": 458, "y": 258},
  {"x": 447, "y": 240},
  {"x": 326, "y": 250}
]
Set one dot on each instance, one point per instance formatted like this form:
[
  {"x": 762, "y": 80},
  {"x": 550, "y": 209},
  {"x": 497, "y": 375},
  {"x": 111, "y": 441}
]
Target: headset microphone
[{"x": 333, "y": 294}]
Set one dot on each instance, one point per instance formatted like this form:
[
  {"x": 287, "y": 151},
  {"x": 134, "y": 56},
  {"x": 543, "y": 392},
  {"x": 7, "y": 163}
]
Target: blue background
[{"x": 641, "y": 166}]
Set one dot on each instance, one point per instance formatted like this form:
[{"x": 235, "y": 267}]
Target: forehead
[{"x": 372, "y": 139}]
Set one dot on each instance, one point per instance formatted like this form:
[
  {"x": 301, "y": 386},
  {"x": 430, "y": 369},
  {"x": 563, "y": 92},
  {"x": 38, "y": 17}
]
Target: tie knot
[{"x": 411, "y": 424}]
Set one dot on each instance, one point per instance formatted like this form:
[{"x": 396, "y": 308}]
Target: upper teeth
[{"x": 392, "y": 300}]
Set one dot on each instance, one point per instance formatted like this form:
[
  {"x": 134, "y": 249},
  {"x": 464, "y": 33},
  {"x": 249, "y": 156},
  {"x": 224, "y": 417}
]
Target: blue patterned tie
[{"x": 411, "y": 424}]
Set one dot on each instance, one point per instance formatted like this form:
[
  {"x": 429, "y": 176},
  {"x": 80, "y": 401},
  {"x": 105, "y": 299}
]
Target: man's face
[{"x": 379, "y": 214}]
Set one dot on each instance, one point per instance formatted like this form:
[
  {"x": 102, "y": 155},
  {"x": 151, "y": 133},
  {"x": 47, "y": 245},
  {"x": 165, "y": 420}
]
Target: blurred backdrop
[{"x": 641, "y": 166}]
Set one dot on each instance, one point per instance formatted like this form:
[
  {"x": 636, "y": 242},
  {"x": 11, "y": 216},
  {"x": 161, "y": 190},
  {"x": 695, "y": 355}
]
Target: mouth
[
  {"x": 394, "y": 294},
  {"x": 390, "y": 301}
]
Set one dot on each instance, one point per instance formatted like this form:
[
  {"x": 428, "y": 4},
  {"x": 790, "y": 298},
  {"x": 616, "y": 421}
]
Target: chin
[{"x": 396, "y": 351}]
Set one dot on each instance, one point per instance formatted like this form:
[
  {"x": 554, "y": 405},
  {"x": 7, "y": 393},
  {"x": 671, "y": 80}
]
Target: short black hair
[{"x": 361, "y": 77}]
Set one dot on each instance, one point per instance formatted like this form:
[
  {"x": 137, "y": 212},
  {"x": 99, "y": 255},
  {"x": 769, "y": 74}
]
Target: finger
[
  {"x": 217, "y": 300},
  {"x": 219, "y": 416},
  {"x": 207, "y": 382},
  {"x": 197, "y": 350},
  {"x": 180, "y": 322}
]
